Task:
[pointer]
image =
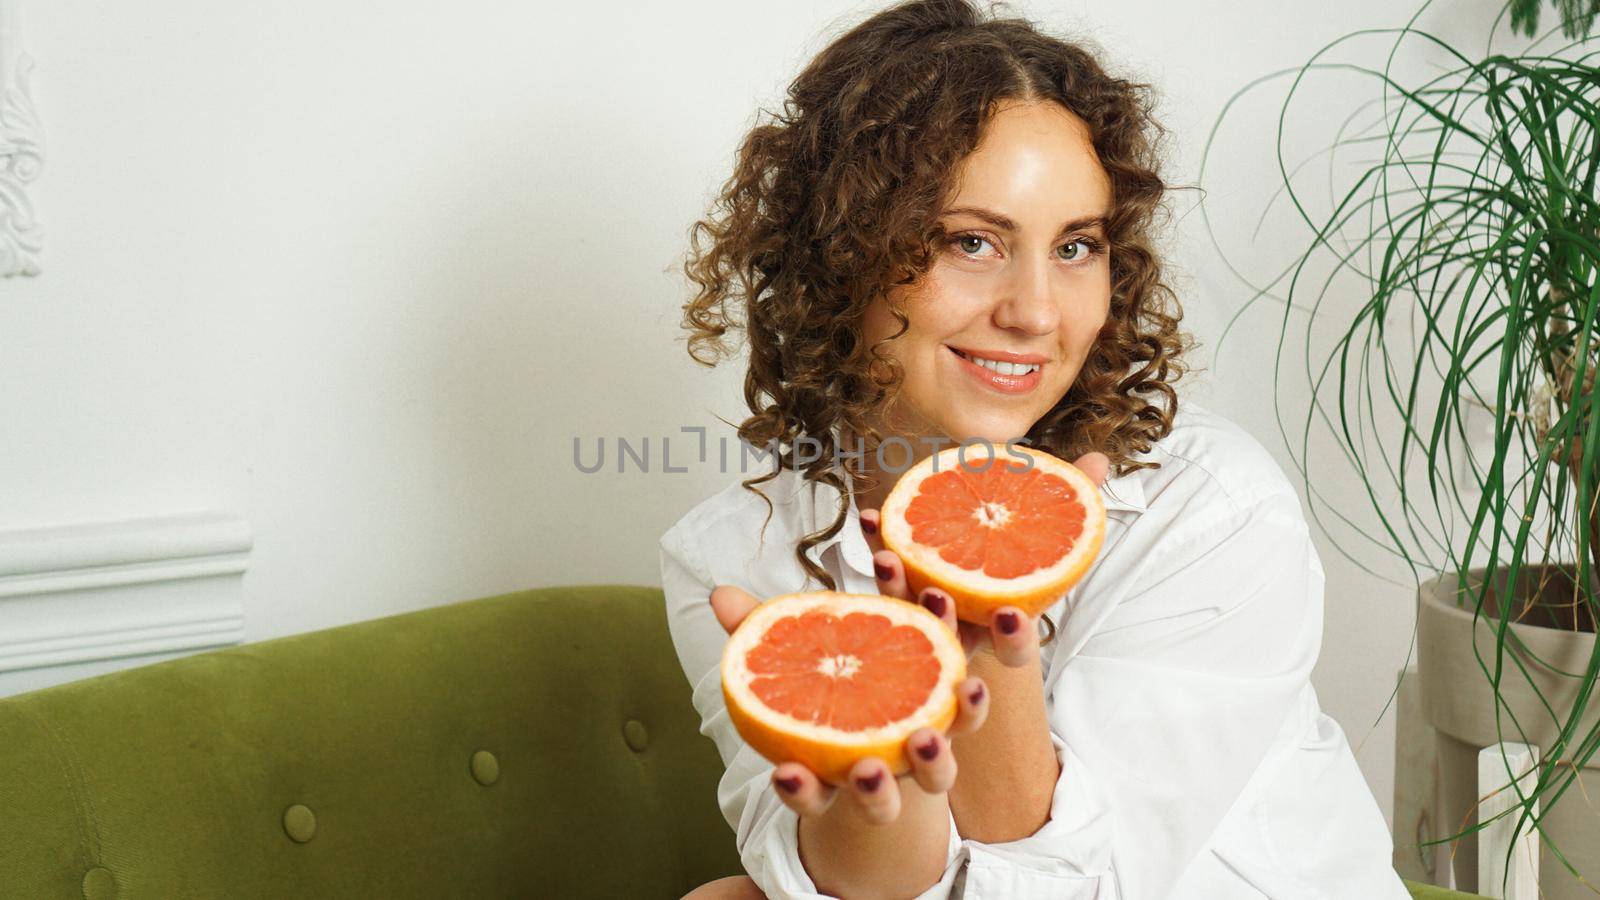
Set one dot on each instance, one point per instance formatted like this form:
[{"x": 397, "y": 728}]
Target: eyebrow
[{"x": 1006, "y": 224}]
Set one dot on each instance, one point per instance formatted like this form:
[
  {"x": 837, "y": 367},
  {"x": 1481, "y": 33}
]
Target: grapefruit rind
[
  {"x": 831, "y": 752},
  {"x": 977, "y": 594}
]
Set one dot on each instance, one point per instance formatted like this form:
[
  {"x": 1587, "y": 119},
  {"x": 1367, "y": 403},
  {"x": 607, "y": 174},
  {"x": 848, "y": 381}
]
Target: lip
[
  {"x": 994, "y": 381},
  {"x": 1003, "y": 356}
]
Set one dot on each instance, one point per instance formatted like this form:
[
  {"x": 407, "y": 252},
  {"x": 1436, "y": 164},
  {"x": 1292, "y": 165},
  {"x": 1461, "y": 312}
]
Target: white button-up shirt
[{"x": 1196, "y": 762}]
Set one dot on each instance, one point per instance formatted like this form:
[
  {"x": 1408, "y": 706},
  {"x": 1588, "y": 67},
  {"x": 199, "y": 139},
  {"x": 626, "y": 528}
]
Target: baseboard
[{"x": 96, "y": 591}]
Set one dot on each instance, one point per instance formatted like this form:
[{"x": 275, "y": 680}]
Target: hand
[
  {"x": 1021, "y": 646},
  {"x": 881, "y": 804}
]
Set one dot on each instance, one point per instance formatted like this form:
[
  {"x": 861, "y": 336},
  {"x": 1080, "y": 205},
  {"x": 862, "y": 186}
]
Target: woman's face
[{"x": 1001, "y": 323}]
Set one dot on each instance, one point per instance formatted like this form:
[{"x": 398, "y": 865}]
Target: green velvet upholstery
[
  {"x": 172, "y": 780},
  {"x": 534, "y": 744}
]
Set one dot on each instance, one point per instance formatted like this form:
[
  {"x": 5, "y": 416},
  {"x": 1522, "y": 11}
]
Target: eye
[
  {"x": 963, "y": 241},
  {"x": 1091, "y": 247}
]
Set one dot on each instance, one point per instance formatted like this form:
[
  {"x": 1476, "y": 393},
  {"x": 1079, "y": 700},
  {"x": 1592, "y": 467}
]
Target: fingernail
[
  {"x": 870, "y": 784},
  {"x": 934, "y": 601},
  {"x": 929, "y": 750},
  {"x": 884, "y": 572},
  {"x": 976, "y": 695},
  {"x": 790, "y": 785},
  {"x": 1009, "y": 623},
  {"x": 869, "y": 526}
]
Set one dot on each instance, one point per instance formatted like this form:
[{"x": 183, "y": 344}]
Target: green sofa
[{"x": 534, "y": 744}]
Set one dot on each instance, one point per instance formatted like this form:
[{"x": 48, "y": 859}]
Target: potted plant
[{"x": 1460, "y": 388}]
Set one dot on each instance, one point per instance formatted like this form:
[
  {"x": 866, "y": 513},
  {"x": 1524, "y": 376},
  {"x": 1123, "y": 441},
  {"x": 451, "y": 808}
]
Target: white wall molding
[
  {"x": 21, "y": 148},
  {"x": 97, "y": 591}
]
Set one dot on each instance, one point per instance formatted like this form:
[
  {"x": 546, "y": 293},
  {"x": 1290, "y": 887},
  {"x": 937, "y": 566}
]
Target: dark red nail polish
[
  {"x": 929, "y": 750},
  {"x": 976, "y": 695},
  {"x": 869, "y": 526},
  {"x": 934, "y": 601},
  {"x": 790, "y": 785},
  {"x": 1009, "y": 623},
  {"x": 870, "y": 784},
  {"x": 884, "y": 572}
]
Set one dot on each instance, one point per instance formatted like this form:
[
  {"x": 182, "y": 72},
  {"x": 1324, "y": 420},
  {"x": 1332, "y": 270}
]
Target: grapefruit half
[
  {"x": 827, "y": 678},
  {"x": 994, "y": 526}
]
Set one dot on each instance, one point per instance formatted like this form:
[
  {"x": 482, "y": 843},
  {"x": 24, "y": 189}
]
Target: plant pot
[{"x": 1458, "y": 702}]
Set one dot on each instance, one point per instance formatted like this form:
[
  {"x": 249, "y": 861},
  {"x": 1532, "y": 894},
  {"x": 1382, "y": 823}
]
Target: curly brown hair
[{"x": 837, "y": 199}]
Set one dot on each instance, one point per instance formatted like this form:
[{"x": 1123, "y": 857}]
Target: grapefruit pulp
[
  {"x": 994, "y": 526},
  {"x": 827, "y": 678}
]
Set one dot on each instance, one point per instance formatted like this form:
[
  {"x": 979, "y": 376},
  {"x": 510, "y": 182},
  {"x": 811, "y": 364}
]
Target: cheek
[
  {"x": 922, "y": 309},
  {"x": 879, "y": 323},
  {"x": 1084, "y": 328},
  {"x": 943, "y": 304},
  {"x": 1085, "y": 321}
]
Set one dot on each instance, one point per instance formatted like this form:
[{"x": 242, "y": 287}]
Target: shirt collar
[
  {"x": 818, "y": 504},
  {"x": 1125, "y": 493}
]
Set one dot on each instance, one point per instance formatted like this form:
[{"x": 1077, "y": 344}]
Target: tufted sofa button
[
  {"x": 635, "y": 735},
  {"x": 300, "y": 823},
  {"x": 485, "y": 768},
  {"x": 98, "y": 884}
]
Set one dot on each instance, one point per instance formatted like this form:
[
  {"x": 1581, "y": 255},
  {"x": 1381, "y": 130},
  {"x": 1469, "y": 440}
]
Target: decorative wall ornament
[{"x": 21, "y": 148}]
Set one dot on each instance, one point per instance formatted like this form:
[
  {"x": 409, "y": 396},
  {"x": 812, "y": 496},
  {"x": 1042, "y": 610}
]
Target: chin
[{"x": 996, "y": 432}]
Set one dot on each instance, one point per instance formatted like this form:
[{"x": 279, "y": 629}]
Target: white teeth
[{"x": 1005, "y": 368}]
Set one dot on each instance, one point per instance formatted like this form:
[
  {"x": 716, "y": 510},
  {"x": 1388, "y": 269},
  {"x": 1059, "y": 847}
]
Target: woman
[{"x": 947, "y": 236}]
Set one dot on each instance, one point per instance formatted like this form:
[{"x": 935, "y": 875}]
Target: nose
[{"x": 1028, "y": 304}]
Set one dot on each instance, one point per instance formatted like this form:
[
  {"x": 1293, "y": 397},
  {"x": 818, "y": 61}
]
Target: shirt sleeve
[
  {"x": 1191, "y": 692},
  {"x": 766, "y": 830}
]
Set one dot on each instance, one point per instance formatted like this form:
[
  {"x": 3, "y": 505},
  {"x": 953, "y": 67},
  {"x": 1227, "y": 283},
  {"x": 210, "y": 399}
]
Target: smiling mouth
[{"x": 999, "y": 367}]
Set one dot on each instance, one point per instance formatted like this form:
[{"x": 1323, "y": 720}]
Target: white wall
[{"x": 360, "y": 273}]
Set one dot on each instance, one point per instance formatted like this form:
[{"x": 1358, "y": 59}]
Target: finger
[
  {"x": 1015, "y": 635},
  {"x": 1096, "y": 465},
  {"x": 875, "y": 791},
  {"x": 972, "y": 706},
  {"x": 891, "y": 574},
  {"x": 731, "y": 605},
  {"x": 974, "y": 638},
  {"x": 932, "y": 764},
  {"x": 936, "y": 601},
  {"x": 801, "y": 790},
  {"x": 871, "y": 525}
]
